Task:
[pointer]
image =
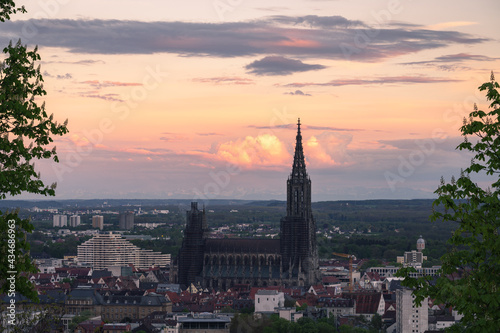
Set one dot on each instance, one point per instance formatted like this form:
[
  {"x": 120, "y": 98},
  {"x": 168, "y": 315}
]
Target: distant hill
[{"x": 321, "y": 205}]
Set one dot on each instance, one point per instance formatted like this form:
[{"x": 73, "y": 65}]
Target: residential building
[
  {"x": 98, "y": 222},
  {"x": 371, "y": 280},
  {"x": 74, "y": 221},
  {"x": 127, "y": 220},
  {"x": 290, "y": 314},
  {"x": 109, "y": 249},
  {"x": 409, "y": 317},
  {"x": 368, "y": 303},
  {"x": 120, "y": 270},
  {"x": 60, "y": 221},
  {"x": 338, "y": 306},
  {"x": 332, "y": 282}
]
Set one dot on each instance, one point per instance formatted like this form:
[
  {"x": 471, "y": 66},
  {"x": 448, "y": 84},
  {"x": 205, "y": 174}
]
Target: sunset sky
[{"x": 200, "y": 99}]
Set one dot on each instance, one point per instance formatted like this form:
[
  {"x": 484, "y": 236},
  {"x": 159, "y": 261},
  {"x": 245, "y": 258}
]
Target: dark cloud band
[
  {"x": 332, "y": 37},
  {"x": 374, "y": 81},
  {"x": 277, "y": 65}
]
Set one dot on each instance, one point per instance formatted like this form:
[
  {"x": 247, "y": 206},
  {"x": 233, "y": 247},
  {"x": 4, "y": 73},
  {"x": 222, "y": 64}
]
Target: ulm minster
[{"x": 291, "y": 260}]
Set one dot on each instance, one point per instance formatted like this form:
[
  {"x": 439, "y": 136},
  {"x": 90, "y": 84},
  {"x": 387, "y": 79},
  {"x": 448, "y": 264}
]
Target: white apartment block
[
  {"x": 60, "y": 221},
  {"x": 74, "y": 221},
  {"x": 108, "y": 249},
  {"x": 410, "y": 318},
  {"x": 98, "y": 222}
]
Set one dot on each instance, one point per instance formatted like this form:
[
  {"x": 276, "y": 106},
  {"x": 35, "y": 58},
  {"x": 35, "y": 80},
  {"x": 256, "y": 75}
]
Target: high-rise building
[
  {"x": 414, "y": 258},
  {"x": 60, "y": 221},
  {"x": 74, "y": 221},
  {"x": 409, "y": 317},
  {"x": 127, "y": 220},
  {"x": 222, "y": 263},
  {"x": 109, "y": 249},
  {"x": 97, "y": 221}
]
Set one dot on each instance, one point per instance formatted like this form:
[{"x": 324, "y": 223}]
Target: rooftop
[{"x": 267, "y": 292}]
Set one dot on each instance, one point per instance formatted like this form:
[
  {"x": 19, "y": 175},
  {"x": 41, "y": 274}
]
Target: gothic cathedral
[{"x": 291, "y": 260}]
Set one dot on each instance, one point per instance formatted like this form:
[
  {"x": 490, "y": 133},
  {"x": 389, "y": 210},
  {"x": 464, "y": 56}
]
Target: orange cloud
[
  {"x": 141, "y": 151},
  {"x": 102, "y": 84},
  {"x": 448, "y": 25},
  {"x": 78, "y": 140},
  {"x": 253, "y": 152},
  {"x": 328, "y": 148}
]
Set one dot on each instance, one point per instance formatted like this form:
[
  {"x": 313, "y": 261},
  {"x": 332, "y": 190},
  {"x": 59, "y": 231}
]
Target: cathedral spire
[
  {"x": 298, "y": 227},
  {"x": 299, "y": 184},
  {"x": 299, "y": 165}
]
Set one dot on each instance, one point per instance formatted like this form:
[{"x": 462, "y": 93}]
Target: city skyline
[{"x": 201, "y": 102}]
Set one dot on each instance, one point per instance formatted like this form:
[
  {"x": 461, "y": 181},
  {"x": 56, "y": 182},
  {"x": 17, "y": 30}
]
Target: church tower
[
  {"x": 298, "y": 228},
  {"x": 190, "y": 258}
]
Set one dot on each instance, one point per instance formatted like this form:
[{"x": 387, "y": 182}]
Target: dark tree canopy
[
  {"x": 8, "y": 7},
  {"x": 25, "y": 127},
  {"x": 25, "y": 136}
]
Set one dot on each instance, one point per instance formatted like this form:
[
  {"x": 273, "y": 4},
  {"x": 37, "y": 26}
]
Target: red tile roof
[
  {"x": 330, "y": 279},
  {"x": 366, "y": 302}
]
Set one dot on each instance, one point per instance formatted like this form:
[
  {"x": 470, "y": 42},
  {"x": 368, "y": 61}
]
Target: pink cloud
[{"x": 302, "y": 43}]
